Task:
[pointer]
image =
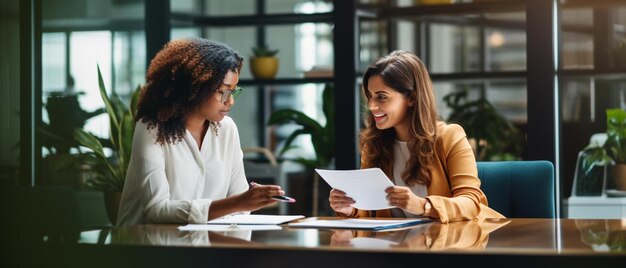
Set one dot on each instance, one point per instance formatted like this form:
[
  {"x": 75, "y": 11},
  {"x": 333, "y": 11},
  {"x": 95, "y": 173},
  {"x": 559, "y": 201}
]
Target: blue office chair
[{"x": 519, "y": 189}]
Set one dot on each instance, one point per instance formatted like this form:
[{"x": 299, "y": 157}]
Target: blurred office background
[{"x": 549, "y": 68}]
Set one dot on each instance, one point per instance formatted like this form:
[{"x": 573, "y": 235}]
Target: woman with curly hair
[
  {"x": 430, "y": 162},
  {"x": 187, "y": 164}
]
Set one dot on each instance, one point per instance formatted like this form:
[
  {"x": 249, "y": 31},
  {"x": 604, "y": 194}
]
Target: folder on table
[{"x": 359, "y": 224}]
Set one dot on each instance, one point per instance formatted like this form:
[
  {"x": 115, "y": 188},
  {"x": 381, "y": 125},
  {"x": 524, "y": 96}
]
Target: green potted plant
[
  {"x": 613, "y": 151},
  {"x": 61, "y": 166},
  {"x": 112, "y": 170},
  {"x": 322, "y": 137},
  {"x": 264, "y": 63},
  {"x": 492, "y": 136}
]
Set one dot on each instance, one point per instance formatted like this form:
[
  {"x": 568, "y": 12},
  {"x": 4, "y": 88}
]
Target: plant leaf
[
  {"x": 134, "y": 101},
  {"x": 290, "y": 139},
  {"x": 594, "y": 155},
  {"x": 322, "y": 137},
  {"x": 126, "y": 137},
  {"x": 90, "y": 141},
  {"x": 616, "y": 134},
  {"x": 105, "y": 98},
  {"x": 297, "y": 117}
]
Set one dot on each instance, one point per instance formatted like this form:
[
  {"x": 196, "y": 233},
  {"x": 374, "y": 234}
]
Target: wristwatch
[{"x": 427, "y": 207}]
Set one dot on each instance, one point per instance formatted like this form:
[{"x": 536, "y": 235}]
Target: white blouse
[
  {"x": 176, "y": 183},
  {"x": 401, "y": 155}
]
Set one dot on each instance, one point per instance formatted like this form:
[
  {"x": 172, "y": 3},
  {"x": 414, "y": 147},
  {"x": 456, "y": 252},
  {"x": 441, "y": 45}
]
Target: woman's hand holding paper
[{"x": 340, "y": 202}]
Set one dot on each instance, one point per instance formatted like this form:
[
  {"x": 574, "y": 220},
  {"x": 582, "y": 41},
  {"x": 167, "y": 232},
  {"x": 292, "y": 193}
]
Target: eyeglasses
[{"x": 227, "y": 93}]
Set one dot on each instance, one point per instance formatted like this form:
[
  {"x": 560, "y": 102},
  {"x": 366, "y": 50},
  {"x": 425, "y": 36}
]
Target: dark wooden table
[{"x": 491, "y": 243}]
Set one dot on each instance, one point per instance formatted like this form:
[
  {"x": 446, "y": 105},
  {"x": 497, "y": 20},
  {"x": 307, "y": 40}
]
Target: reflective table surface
[{"x": 510, "y": 236}]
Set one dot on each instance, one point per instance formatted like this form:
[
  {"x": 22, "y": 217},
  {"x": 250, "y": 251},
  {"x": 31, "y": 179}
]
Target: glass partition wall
[
  {"x": 477, "y": 56},
  {"x": 305, "y": 51},
  {"x": 478, "y": 50},
  {"x": 75, "y": 41},
  {"x": 111, "y": 35},
  {"x": 592, "y": 79}
]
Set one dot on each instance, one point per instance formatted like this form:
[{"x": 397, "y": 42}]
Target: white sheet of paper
[
  {"x": 227, "y": 227},
  {"x": 244, "y": 219},
  {"x": 365, "y": 186}
]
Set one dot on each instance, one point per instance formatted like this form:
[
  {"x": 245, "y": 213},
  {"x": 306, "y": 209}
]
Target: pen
[
  {"x": 280, "y": 198},
  {"x": 283, "y": 198}
]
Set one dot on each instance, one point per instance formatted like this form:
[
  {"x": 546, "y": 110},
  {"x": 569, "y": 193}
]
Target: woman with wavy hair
[
  {"x": 187, "y": 164},
  {"x": 430, "y": 162}
]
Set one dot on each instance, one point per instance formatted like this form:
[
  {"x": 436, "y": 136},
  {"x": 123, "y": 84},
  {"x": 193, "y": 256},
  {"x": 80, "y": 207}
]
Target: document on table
[
  {"x": 365, "y": 186},
  {"x": 227, "y": 228},
  {"x": 361, "y": 224},
  {"x": 254, "y": 219}
]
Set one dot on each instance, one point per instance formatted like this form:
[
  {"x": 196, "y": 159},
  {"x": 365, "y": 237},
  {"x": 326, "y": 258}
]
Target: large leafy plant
[
  {"x": 112, "y": 169},
  {"x": 494, "y": 136},
  {"x": 614, "y": 149},
  {"x": 322, "y": 137}
]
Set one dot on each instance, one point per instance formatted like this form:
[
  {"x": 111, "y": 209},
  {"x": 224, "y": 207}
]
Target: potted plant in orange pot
[
  {"x": 264, "y": 63},
  {"x": 613, "y": 151}
]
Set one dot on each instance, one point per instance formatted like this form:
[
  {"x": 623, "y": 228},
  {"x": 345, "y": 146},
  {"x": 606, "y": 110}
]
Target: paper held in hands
[{"x": 365, "y": 186}]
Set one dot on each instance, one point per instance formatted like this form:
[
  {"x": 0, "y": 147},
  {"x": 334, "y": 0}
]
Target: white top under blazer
[{"x": 176, "y": 183}]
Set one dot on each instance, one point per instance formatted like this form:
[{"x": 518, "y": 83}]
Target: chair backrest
[
  {"x": 264, "y": 170},
  {"x": 519, "y": 189}
]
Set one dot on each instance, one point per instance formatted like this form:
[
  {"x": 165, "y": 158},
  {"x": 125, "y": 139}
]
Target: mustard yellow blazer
[{"x": 454, "y": 189}]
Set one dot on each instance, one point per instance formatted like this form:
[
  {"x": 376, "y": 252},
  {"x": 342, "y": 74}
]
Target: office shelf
[
  {"x": 459, "y": 9},
  {"x": 479, "y": 76},
  {"x": 285, "y": 81},
  {"x": 615, "y": 74},
  {"x": 260, "y": 21},
  {"x": 594, "y": 3},
  {"x": 182, "y": 19}
]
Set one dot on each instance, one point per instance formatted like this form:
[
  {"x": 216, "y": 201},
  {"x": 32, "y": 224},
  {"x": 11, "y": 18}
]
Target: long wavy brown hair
[
  {"x": 180, "y": 79},
  {"x": 404, "y": 72}
]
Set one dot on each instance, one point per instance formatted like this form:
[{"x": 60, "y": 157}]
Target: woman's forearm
[{"x": 223, "y": 207}]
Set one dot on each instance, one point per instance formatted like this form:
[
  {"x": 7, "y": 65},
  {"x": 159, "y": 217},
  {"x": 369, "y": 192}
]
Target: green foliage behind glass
[
  {"x": 614, "y": 149},
  {"x": 322, "y": 137},
  {"x": 495, "y": 137},
  {"x": 112, "y": 170}
]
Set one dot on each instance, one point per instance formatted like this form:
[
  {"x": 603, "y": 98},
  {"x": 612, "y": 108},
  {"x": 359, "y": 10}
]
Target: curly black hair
[{"x": 181, "y": 77}]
